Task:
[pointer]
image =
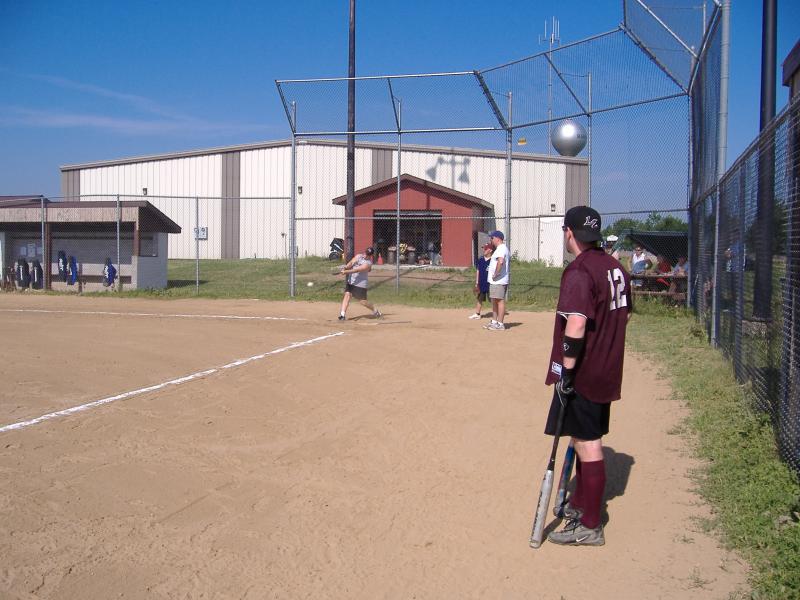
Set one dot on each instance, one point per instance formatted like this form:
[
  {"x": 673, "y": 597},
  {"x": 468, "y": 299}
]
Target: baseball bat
[
  {"x": 537, "y": 530},
  {"x": 566, "y": 473}
]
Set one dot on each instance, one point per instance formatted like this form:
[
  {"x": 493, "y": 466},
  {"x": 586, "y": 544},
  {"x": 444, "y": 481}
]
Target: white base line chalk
[
  {"x": 152, "y": 388},
  {"x": 161, "y": 315}
]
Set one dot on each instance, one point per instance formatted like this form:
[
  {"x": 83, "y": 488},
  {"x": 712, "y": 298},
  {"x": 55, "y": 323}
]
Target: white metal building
[{"x": 243, "y": 192}]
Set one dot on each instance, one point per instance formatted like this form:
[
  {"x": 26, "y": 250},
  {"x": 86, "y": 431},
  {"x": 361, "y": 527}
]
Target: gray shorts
[{"x": 498, "y": 291}]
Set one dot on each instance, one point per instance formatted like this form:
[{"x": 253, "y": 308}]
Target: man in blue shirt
[{"x": 482, "y": 280}]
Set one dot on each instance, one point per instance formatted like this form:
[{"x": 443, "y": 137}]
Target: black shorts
[
  {"x": 583, "y": 419},
  {"x": 359, "y": 293},
  {"x": 482, "y": 296}
]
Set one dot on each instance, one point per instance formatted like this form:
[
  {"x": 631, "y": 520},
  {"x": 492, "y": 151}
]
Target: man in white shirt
[
  {"x": 640, "y": 262},
  {"x": 498, "y": 280}
]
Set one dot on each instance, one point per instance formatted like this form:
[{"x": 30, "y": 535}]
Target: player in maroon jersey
[{"x": 594, "y": 306}]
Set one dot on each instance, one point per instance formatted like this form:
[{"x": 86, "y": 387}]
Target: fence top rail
[
  {"x": 391, "y": 216},
  {"x": 396, "y": 131},
  {"x": 161, "y": 197},
  {"x": 553, "y": 51},
  {"x": 373, "y": 77}
]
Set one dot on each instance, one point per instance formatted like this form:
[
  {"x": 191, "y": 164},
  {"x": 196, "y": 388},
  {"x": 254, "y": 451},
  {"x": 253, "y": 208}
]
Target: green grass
[
  {"x": 534, "y": 285},
  {"x": 755, "y": 496}
]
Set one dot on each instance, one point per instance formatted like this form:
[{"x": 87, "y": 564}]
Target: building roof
[
  {"x": 316, "y": 142},
  {"x": 405, "y": 177},
  {"x": 6, "y": 200},
  {"x": 28, "y": 210}
]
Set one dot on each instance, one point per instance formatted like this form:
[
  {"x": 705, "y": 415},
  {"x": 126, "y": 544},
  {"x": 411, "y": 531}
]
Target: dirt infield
[{"x": 401, "y": 459}]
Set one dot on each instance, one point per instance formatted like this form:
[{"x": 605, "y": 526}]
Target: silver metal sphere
[{"x": 568, "y": 138}]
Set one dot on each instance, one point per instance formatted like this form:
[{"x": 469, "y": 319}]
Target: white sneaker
[
  {"x": 496, "y": 326},
  {"x": 474, "y": 316},
  {"x": 491, "y": 324}
]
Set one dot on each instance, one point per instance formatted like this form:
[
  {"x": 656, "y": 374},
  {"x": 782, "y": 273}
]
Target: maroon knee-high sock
[
  {"x": 576, "y": 499},
  {"x": 593, "y": 483}
]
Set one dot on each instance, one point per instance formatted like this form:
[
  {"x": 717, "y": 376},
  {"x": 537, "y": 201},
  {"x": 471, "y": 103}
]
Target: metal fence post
[
  {"x": 509, "y": 140},
  {"x": 397, "y": 221},
  {"x": 293, "y": 209},
  {"x": 589, "y": 140},
  {"x": 738, "y": 338},
  {"x": 715, "y": 274},
  {"x": 722, "y": 150},
  {"x": 41, "y": 200},
  {"x": 119, "y": 252},
  {"x": 197, "y": 246}
]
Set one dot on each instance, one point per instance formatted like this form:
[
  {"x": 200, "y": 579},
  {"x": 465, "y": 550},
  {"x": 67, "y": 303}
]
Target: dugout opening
[{"x": 419, "y": 229}]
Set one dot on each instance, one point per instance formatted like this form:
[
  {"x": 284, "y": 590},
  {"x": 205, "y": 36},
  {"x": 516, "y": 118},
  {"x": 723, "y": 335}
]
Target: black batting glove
[{"x": 566, "y": 385}]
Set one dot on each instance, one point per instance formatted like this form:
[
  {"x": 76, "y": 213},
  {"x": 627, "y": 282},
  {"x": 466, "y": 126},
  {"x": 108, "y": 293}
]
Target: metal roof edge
[{"x": 320, "y": 142}]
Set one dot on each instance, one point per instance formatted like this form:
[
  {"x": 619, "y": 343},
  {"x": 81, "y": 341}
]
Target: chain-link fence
[{"x": 747, "y": 291}]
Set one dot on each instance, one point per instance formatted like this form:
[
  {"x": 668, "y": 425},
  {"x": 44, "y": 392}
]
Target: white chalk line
[
  {"x": 76, "y": 409},
  {"x": 162, "y": 315}
]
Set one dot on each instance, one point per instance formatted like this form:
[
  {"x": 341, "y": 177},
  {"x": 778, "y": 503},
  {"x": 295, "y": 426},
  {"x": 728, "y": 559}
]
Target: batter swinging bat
[
  {"x": 547, "y": 482},
  {"x": 566, "y": 473}
]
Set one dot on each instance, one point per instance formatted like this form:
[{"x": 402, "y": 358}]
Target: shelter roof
[
  {"x": 29, "y": 210},
  {"x": 406, "y": 178}
]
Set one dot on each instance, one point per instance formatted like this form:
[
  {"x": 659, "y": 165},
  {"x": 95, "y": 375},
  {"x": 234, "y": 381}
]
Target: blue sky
[{"x": 82, "y": 81}]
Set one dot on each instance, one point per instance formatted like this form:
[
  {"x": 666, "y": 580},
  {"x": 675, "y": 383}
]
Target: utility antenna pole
[
  {"x": 349, "y": 209},
  {"x": 552, "y": 39}
]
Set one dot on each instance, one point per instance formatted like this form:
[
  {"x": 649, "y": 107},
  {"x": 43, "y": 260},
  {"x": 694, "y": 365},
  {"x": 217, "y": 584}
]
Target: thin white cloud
[
  {"x": 139, "y": 102},
  {"x": 21, "y": 116},
  {"x": 168, "y": 121}
]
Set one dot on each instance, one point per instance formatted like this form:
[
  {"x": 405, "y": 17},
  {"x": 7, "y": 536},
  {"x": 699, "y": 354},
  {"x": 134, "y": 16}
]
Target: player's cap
[
  {"x": 497, "y": 234},
  {"x": 584, "y": 223},
  {"x": 612, "y": 238},
  {"x": 369, "y": 251}
]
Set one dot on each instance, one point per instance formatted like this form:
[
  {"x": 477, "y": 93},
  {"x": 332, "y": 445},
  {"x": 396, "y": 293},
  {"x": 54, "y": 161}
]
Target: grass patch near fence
[{"x": 754, "y": 495}]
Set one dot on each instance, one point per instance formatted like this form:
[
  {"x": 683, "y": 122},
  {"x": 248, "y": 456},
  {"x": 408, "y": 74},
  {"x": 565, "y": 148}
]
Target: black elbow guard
[{"x": 572, "y": 347}]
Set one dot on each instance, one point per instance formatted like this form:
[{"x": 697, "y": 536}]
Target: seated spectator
[
  {"x": 682, "y": 268},
  {"x": 679, "y": 274},
  {"x": 640, "y": 262},
  {"x": 663, "y": 267}
]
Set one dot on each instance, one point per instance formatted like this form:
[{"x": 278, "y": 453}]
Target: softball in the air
[{"x": 310, "y": 284}]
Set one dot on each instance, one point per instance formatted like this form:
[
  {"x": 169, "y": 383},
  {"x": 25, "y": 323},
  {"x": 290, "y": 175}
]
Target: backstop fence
[{"x": 746, "y": 242}]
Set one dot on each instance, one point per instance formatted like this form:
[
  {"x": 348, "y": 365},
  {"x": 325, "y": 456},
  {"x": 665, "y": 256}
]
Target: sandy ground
[{"x": 399, "y": 460}]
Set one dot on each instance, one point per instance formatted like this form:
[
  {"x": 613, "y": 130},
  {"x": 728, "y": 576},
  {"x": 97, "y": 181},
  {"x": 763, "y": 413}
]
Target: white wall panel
[
  {"x": 166, "y": 180},
  {"x": 263, "y": 220}
]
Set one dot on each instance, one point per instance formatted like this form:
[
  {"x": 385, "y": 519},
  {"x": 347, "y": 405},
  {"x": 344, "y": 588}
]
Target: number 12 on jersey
[{"x": 616, "y": 282}]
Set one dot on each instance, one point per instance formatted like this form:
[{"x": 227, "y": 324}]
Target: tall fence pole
[
  {"x": 293, "y": 208},
  {"x": 397, "y": 221},
  {"x": 589, "y": 117},
  {"x": 45, "y": 265},
  {"x": 722, "y": 151},
  {"x": 762, "y": 285},
  {"x": 197, "y": 246},
  {"x": 349, "y": 207},
  {"x": 119, "y": 252},
  {"x": 509, "y": 141},
  {"x": 689, "y": 214},
  {"x": 738, "y": 338}
]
